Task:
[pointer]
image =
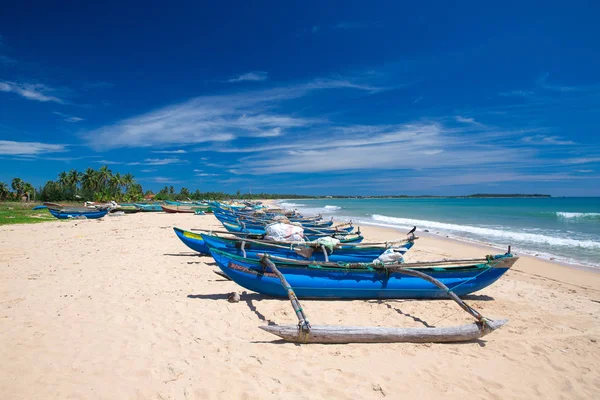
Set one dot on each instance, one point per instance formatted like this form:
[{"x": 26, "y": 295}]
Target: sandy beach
[{"x": 119, "y": 308}]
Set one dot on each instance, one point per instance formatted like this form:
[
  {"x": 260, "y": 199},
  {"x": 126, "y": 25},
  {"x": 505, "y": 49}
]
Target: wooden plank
[{"x": 329, "y": 334}]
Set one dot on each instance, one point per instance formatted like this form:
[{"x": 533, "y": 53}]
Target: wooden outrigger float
[{"x": 304, "y": 332}]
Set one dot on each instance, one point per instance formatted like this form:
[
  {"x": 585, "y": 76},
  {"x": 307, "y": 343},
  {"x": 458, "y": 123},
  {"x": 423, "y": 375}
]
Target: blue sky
[{"x": 312, "y": 98}]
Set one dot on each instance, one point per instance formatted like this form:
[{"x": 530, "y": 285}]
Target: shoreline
[{"x": 558, "y": 260}]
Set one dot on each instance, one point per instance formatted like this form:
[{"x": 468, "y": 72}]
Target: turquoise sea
[{"x": 562, "y": 228}]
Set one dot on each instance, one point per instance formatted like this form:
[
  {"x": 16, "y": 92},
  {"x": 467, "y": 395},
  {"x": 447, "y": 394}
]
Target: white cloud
[
  {"x": 390, "y": 147},
  {"x": 170, "y": 151},
  {"x": 215, "y": 118},
  {"x": 161, "y": 179},
  {"x": 68, "y": 118},
  {"x": 8, "y": 147},
  {"x": 148, "y": 170},
  {"x": 581, "y": 160},
  {"x": 254, "y": 76},
  {"x": 109, "y": 162},
  {"x": 465, "y": 120},
  {"x": 159, "y": 161},
  {"x": 30, "y": 91},
  {"x": 584, "y": 171},
  {"x": 546, "y": 140},
  {"x": 206, "y": 174}
]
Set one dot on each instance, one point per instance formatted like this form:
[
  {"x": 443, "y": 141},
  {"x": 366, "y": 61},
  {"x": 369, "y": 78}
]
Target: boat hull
[
  {"x": 329, "y": 283},
  {"x": 255, "y": 250},
  {"x": 67, "y": 214},
  {"x": 149, "y": 207},
  {"x": 344, "y": 237},
  {"x": 192, "y": 240}
]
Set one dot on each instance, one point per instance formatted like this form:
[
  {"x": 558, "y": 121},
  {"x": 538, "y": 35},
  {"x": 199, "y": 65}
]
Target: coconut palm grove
[{"x": 103, "y": 185}]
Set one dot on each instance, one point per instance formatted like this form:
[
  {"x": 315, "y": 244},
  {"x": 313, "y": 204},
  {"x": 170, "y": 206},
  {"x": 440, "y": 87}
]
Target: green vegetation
[
  {"x": 93, "y": 185},
  {"x": 21, "y": 213},
  {"x": 103, "y": 185}
]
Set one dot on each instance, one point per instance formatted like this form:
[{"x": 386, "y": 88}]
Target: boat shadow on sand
[
  {"x": 249, "y": 299},
  {"x": 187, "y": 254}
]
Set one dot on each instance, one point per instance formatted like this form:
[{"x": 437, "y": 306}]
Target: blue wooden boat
[
  {"x": 307, "y": 228},
  {"x": 253, "y": 215},
  {"x": 269, "y": 220},
  {"x": 363, "y": 281},
  {"x": 196, "y": 242},
  {"x": 149, "y": 207},
  {"x": 298, "y": 251},
  {"x": 344, "y": 237},
  {"x": 67, "y": 213},
  {"x": 192, "y": 240}
]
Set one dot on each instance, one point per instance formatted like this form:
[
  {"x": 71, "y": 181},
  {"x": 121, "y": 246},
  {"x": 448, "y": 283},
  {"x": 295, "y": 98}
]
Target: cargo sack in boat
[
  {"x": 329, "y": 242},
  {"x": 284, "y": 232},
  {"x": 389, "y": 256}
]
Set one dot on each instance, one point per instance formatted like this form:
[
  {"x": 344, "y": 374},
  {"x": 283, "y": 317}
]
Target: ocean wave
[
  {"x": 577, "y": 215},
  {"x": 486, "y": 233},
  {"x": 291, "y": 205},
  {"x": 333, "y": 208}
]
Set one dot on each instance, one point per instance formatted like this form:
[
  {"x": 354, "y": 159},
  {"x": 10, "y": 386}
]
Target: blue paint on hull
[
  {"x": 192, "y": 240},
  {"x": 344, "y": 254},
  {"x": 328, "y": 283},
  {"x": 66, "y": 214}
]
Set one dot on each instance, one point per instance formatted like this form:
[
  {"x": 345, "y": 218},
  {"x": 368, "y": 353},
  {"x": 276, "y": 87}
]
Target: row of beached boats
[
  {"x": 285, "y": 254},
  {"x": 92, "y": 210}
]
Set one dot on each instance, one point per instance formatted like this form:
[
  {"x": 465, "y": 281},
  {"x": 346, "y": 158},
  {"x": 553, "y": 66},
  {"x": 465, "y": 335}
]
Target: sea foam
[
  {"x": 291, "y": 205},
  {"x": 485, "y": 233},
  {"x": 577, "y": 215}
]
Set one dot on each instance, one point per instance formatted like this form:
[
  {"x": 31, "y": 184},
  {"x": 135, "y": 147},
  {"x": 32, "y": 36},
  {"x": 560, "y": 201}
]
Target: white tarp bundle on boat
[
  {"x": 281, "y": 218},
  {"x": 391, "y": 255},
  {"x": 328, "y": 242},
  {"x": 284, "y": 232}
]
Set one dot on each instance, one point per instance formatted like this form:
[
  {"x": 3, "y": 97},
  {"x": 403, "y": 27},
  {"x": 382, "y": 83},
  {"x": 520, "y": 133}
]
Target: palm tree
[
  {"x": 18, "y": 186},
  {"x": 104, "y": 175},
  {"x": 89, "y": 180},
  {"x": 63, "y": 179},
  {"x": 4, "y": 192},
  {"x": 29, "y": 190},
  {"x": 73, "y": 180},
  {"x": 115, "y": 182},
  {"x": 128, "y": 180}
]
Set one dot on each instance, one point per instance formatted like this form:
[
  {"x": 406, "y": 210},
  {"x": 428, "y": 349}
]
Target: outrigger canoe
[
  {"x": 343, "y": 236},
  {"x": 184, "y": 209},
  {"x": 302, "y": 251},
  {"x": 68, "y": 213},
  {"x": 364, "y": 281}
]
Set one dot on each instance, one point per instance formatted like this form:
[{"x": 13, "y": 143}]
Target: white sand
[{"x": 121, "y": 309}]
